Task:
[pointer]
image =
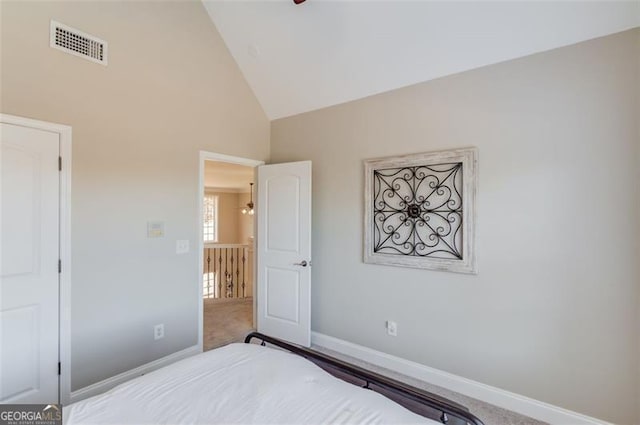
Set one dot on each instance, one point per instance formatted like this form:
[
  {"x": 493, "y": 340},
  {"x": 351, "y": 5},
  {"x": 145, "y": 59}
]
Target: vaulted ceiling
[{"x": 298, "y": 58}]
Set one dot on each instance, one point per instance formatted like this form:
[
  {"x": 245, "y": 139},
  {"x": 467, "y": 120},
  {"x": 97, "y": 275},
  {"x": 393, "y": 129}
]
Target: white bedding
[{"x": 239, "y": 384}]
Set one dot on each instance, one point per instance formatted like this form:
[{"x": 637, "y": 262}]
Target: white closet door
[{"x": 29, "y": 265}]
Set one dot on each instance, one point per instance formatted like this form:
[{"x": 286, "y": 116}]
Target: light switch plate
[{"x": 182, "y": 247}]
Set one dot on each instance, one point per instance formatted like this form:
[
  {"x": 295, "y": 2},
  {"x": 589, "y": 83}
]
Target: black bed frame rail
[{"x": 447, "y": 408}]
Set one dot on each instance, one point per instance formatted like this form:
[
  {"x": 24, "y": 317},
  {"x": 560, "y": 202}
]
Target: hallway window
[{"x": 210, "y": 218}]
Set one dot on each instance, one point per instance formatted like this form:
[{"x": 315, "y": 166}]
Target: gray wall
[
  {"x": 170, "y": 90},
  {"x": 553, "y": 312}
]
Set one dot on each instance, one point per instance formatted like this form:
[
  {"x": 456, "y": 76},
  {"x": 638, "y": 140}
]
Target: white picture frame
[{"x": 420, "y": 210}]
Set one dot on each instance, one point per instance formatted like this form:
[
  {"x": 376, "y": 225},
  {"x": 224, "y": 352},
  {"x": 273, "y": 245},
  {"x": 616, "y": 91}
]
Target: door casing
[{"x": 64, "y": 299}]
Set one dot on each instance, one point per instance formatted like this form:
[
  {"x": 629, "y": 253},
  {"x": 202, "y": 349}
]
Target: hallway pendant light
[{"x": 249, "y": 208}]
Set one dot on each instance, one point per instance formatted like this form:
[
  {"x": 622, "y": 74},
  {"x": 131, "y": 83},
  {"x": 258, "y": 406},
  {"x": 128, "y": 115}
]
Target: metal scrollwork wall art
[{"x": 420, "y": 210}]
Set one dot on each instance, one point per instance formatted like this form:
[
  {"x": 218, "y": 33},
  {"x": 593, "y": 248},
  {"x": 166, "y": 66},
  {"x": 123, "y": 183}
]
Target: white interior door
[
  {"x": 284, "y": 251},
  {"x": 29, "y": 200}
]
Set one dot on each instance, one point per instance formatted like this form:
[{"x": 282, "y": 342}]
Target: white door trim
[
  {"x": 64, "y": 339},
  {"x": 211, "y": 156}
]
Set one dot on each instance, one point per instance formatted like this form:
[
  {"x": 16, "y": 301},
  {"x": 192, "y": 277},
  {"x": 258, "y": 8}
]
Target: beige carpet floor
[{"x": 226, "y": 321}]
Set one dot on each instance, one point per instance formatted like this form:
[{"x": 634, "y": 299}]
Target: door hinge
[
  {"x": 59, "y": 368},
  {"x": 59, "y": 266},
  {"x": 59, "y": 163}
]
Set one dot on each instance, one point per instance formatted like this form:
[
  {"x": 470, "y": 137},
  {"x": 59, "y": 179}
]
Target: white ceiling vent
[{"x": 78, "y": 43}]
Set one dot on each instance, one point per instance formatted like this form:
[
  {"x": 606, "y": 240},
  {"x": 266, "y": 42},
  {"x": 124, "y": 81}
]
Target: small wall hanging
[{"x": 420, "y": 210}]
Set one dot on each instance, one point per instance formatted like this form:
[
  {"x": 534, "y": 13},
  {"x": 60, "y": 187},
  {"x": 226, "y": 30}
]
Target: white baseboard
[
  {"x": 501, "y": 398},
  {"x": 107, "y": 384}
]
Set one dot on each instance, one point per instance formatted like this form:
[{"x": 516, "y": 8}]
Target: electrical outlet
[
  {"x": 158, "y": 331},
  {"x": 392, "y": 328}
]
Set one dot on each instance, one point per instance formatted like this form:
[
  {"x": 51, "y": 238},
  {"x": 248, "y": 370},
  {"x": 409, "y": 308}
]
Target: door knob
[{"x": 302, "y": 263}]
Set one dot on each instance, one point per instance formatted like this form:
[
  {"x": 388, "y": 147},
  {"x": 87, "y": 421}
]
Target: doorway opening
[{"x": 228, "y": 251}]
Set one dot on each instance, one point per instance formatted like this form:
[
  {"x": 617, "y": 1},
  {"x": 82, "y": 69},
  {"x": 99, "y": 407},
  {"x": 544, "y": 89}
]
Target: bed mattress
[{"x": 239, "y": 384}]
